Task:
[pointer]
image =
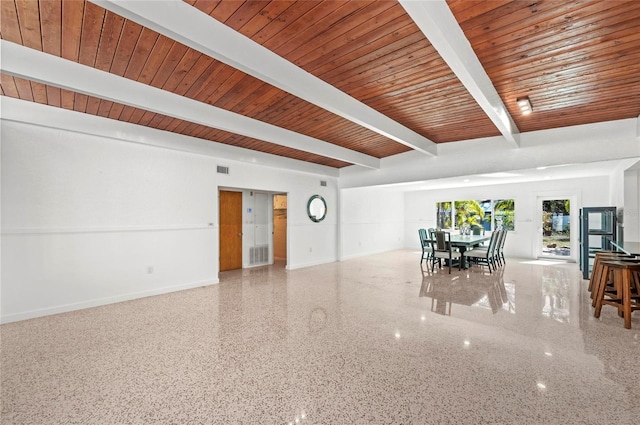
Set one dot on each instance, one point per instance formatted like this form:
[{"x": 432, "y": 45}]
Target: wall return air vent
[{"x": 223, "y": 170}]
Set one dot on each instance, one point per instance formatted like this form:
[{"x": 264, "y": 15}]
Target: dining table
[
  {"x": 466, "y": 242},
  {"x": 463, "y": 242}
]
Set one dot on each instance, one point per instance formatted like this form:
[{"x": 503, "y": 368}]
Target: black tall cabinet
[{"x": 597, "y": 231}]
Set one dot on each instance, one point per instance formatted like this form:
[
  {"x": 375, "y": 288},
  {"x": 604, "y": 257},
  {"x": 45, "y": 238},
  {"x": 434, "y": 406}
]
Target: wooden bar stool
[
  {"x": 596, "y": 273},
  {"x": 624, "y": 295},
  {"x": 604, "y": 278}
]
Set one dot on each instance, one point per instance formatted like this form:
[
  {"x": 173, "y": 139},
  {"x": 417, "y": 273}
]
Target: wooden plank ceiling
[{"x": 577, "y": 61}]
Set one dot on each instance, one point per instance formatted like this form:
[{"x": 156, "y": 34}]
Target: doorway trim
[{"x": 574, "y": 223}]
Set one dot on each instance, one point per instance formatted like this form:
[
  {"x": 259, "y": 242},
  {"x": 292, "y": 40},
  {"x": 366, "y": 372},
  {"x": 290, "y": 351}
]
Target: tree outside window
[
  {"x": 504, "y": 211},
  {"x": 443, "y": 215}
]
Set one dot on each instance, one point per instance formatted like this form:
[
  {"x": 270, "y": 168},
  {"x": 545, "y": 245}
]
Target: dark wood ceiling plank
[
  {"x": 571, "y": 42},
  {"x": 230, "y": 78},
  {"x": 374, "y": 15},
  {"x": 168, "y": 65},
  {"x": 269, "y": 13},
  {"x": 181, "y": 127},
  {"x": 183, "y": 68},
  {"x": 24, "y": 89},
  {"x": 126, "y": 45},
  {"x": 104, "y": 108},
  {"x": 136, "y": 116},
  {"x": 51, "y": 26},
  {"x": 223, "y": 9},
  {"x": 116, "y": 111},
  {"x": 29, "y": 19},
  {"x": 94, "y": 104},
  {"x": 162, "y": 125},
  {"x": 126, "y": 113},
  {"x": 322, "y": 22},
  {"x": 173, "y": 125},
  {"x": 155, "y": 120},
  {"x": 243, "y": 91},
  {"x": 244, "y": 13},
  {"x": 563, "y": 58},
  {"x": 390, "y": 66},
  {"x": 295, "y": 10},
  {"x": 80, "y": 102},
  {"x": 54, "y": 96},
  {"x": 205, "y": 84},
  {"x": 359, "y": 67},
  {"x": 66, "y": 99},
  {"x": 109, "y": 37},
  {"x": 143, "y": 48},
  {"x": 10, "y": 27},
  {"x": 91, "y": 30},
  {"x": 266, "y": 95},
  {"x": 155, "y": 60},
  {"x": 612, "y": 66},
  {"x": 300, "y": 24},
  {"x": 468, "y": 9},
  {"x": 580, "y": 22},
  {"x": 503, "y": 20},
  {"x": 375, "y": 43},
  {"x": 72, "y": 15},
  {"x": 9, "y": 87}
]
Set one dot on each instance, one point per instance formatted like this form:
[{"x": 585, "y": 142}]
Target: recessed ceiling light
[{"x": 525, "y": 105}]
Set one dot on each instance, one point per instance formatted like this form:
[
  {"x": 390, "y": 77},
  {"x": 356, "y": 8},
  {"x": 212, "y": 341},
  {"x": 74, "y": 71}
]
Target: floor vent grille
[{"x": 258, "y": 254}]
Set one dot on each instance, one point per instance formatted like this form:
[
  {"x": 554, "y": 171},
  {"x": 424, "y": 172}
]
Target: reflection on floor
[
  {"x": 374, "y": 340},
  {"x": 474, "y": 287}
]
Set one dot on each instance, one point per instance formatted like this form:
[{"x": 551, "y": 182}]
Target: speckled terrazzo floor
[{"x": 374, "y": 340}]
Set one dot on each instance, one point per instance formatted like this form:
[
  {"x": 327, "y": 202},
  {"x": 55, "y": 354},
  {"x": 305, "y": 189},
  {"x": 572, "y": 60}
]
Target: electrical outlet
[{"x": 150, "y": 269}]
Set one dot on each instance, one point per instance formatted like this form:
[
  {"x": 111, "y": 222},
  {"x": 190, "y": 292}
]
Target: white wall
[
  {"x": 88, "y": 220},
  {"x": 420, "y": 209},
  {"x": 632, "y": 203},
  {"x": 371, "y": 221}
]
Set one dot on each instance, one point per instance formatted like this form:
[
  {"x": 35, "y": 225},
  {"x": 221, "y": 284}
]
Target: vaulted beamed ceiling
[{"x": 329, "y": 82}]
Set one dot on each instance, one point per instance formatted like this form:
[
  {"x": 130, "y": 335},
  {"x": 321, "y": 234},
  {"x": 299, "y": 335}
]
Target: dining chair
[
  {"x": 486, "y": 256},
  {"x": 425, "y": 245},
  {"x": 500, "y": 248},
  {"x": 442, "y": 250}
]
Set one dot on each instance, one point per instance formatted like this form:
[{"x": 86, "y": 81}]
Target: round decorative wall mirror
[{"x": 317, "y": 208}]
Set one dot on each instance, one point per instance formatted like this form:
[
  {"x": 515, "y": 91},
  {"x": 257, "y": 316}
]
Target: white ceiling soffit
[
  {"x": 193, "y": 28},
  {"x": 37, "y": 66},
  {"x": 438, "y": 24},
  {"x": 23, "y": 111}
]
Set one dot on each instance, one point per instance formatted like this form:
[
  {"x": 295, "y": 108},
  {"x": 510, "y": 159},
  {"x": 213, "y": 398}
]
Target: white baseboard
[
  {"x": 310, "y": 264},
  {"x": 32, "y": 314},
  {"x": 365, "y": 254}
]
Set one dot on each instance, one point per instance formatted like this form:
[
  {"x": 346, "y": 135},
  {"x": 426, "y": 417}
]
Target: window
[
  {"x": 486, "y": 214},
  {"x": 504, "y": 210},
  {"x": 443, "y": 215}
]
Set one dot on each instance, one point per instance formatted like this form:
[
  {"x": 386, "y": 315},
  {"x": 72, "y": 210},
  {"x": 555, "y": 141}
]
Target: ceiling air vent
[
  {"x": 323, "y": 182},
  {"x": 223, "y": 170}
]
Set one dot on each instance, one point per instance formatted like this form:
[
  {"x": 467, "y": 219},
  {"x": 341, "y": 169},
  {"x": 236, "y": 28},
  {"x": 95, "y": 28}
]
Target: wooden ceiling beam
[
  {"x": 189, "y": 26},
  {"x": 33, "y": 65},
  {"x": 435, "y": 20}
]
